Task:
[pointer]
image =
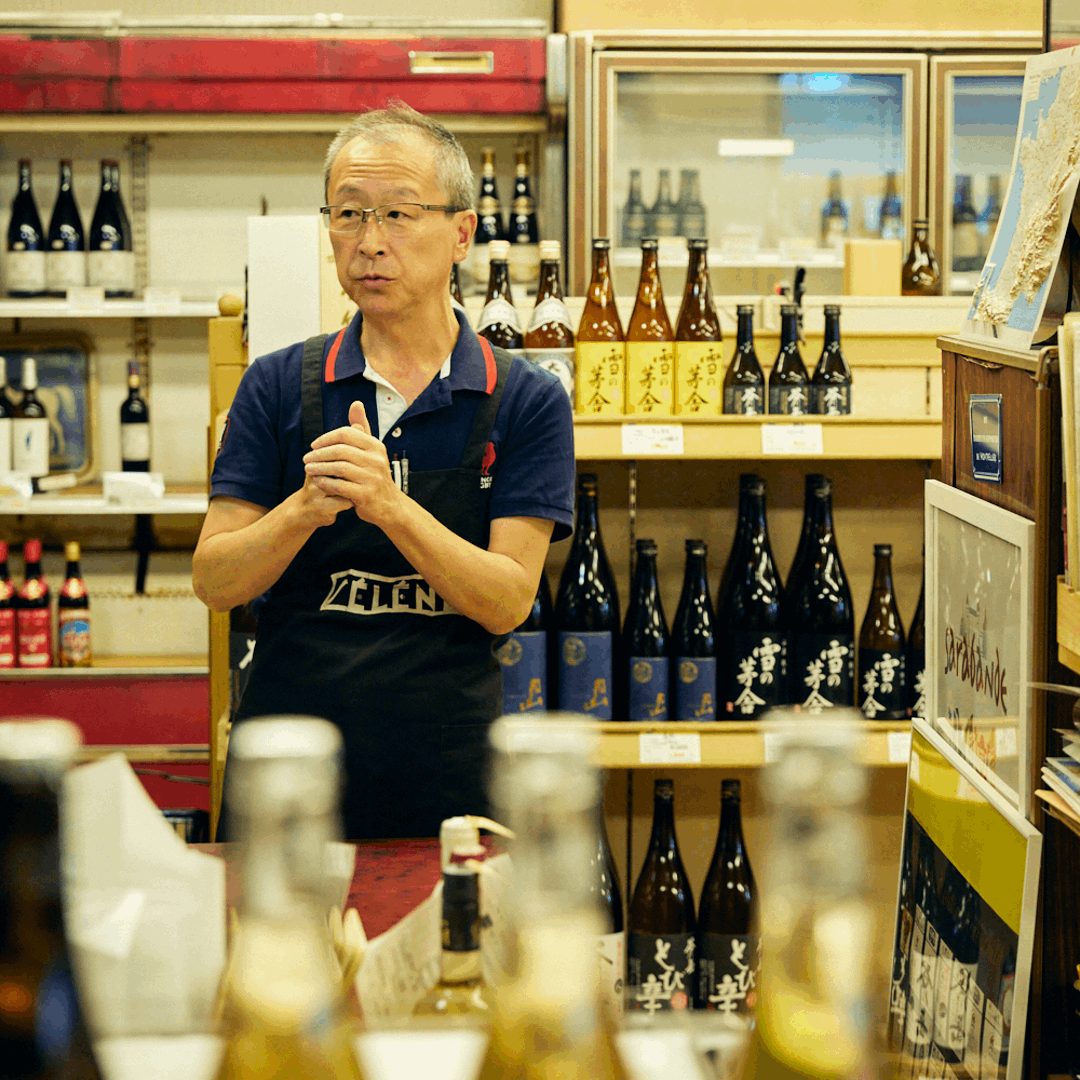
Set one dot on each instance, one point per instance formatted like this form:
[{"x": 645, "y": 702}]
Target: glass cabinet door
[
  {"x": 775, "y": 158},
  {"x": 975, "y": 108}
]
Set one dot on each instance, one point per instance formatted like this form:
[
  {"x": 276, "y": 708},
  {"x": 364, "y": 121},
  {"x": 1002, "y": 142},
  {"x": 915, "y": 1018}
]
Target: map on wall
[{"x": 1021, "y": 295}]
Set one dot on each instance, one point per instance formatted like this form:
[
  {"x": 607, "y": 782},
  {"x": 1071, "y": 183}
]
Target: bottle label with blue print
[
  {"x": 523, "y": 659},
  {"x": 695, "y": 688},
  {"x": 585, "y": 670},
  {"x": 649, "y": 688}
]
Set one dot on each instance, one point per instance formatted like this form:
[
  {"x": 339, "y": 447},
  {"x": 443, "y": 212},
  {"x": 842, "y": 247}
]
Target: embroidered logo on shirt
[
  {"x": 485, "y": 466},
  {"x": 360, "y": 593}
]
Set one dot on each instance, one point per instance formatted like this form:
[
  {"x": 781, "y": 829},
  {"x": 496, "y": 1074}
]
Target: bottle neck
[
  {"x": 33, "y": 569},
  {"x": 498, "y": 280},
  {"x": 832, "y": 330},
  {"x": 731, "y": 834},
  {"x": 635, "y": 187},
  {"x": 106, "y": 177},
  {"x": 663, "y": 823},
  {"x": 600, "y": 284},
  {"x": 819, "y": 514},
  {"x": 789, "y": 328},
  {"x": 696, "y": 576},
  {"x": 73, "y": 569},
  {"x": 745, "y": 333},
  {"x": 646, "y": 586},
  {"x": 550, "y": 284},
  {"x": 883, "y": 576},
  {"x": 29, "y": 377},
  {"x": 649, "y": 283},
  {"x": 588, "y": 518},
  {"x": 751, "y": 514},
  {"x": 24, "y": 176},
  {"x": 664, "y": 192},
  {"x": 65, "y": 176}
]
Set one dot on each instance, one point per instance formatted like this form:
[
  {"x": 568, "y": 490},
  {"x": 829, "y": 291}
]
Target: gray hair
[{"x": 382, "y": 125}]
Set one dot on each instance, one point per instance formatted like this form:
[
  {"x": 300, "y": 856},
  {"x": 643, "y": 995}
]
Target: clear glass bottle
[
  {"x": 549, "y": 1020},
  {"x": 692, "y": 214},
  {"x": 284, "y": 1011},
  {"x": 650, "y": 348},
  {"x": 600, "y": 349},
  {"x": 663, "y": 217}
]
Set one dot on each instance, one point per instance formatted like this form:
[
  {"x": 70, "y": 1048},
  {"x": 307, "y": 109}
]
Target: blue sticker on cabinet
[{"x": 987, "y": 461}]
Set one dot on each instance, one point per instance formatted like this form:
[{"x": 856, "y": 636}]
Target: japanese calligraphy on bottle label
[
  {"x": 611, "y": 950},
  {"x": 882, "y": 685},
  {"x": 34, "y": 637},
  {"x": 922, "y": 966},
  {"x": 695, "y": 688},
  {"x": 727, "y": 972},
  {"x": 600, "y": 383},
  {"x": 585, "y": 669},
  {"x": 823, "y": 671},
  {"x": 699, "y": 373},
  {"x": 523, "y": 658},
  {"x": 754, "y": 675},
  {"x": 917, "y": 692},
  {"x": 650, "y": 378},
  {"x": 560, "y": 362},
  {"x": 789, "y": 400},
  {"x": 649, "y": 688},
  {"x": 660, "y": 971},
  {"x": 830, "y": 400},
  {"x": 743, "y": 400},
  {"x": 958, "y": 1006}
]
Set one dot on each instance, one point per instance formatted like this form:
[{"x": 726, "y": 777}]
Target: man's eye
[
  {"x": 395, "y": 213},
  {"x": 346, "y": 213}
]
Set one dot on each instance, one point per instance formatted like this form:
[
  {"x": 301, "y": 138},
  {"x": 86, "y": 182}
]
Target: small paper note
[
  {"x": 773, "y": 742},
  {"x": 657, "y": 439},
  {"x": 899, "y": 747},
  {"x": 791, "y": 439},
  {"x": 661, "y": 748},
  {"x": 132, "y": 487}
]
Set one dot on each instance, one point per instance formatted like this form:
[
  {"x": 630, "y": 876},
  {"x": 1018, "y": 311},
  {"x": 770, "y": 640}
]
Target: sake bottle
[
  {"x": 915, "y": 659},
  {"x": 660, "y": 943},
  {"x": 891, "y": 216},
  {"x": 634, "y": 213},
  {"x": 882, "y": 677},
  {"x": 822, "y": 618},
  {"x": 693, "y": 642},
  {"x": 549, "y": 338},
  {"x": 524, "y": 657},
  {"x": 664, "y": 214},
  {"x": 789, "y": 385},
  {"x": 698, "y": 361},
  {"x": 727, "y": 938},
  {"x": 744, "y": 381},
  {"x": 923, "y": 957},
  {"x": 650, "y": 348},
  {"x": 612, "y": 941},
  {"x": 499, "y": 321},
  {"x": 587, "y": 614},
  {"x": 600, "y": 349},
  {"x": 752, "y": 642},
  {"x": 965, "y": 228},
  {"x": 645, "y": 642},
  {"x": 834, "y": 214},
  {"x": 830, "y": 385}
]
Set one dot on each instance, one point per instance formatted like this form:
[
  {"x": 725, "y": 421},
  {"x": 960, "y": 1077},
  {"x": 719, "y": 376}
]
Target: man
[{"x": 395, "y": 487}]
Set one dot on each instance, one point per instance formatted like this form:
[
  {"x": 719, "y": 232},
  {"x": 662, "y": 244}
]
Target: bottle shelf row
[
  {"x": 90, "y": 500},
  {"x": 117, "y": 667},
  {"x": 108, "y": 309}
]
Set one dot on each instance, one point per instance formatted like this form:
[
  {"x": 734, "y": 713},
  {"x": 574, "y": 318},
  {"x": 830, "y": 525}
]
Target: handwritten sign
[
  {"x": 661, "y": 748},
  {"x": 640, "y": 440},
  {"x": 803, "y": 439}
]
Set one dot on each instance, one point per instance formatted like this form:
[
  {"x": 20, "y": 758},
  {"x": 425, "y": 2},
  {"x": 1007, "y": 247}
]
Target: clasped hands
[{"x": 349, "y": 467}]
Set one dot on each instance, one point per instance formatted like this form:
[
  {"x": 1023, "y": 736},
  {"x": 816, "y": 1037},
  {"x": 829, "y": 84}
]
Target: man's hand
[{"x": 350, "y": 463}]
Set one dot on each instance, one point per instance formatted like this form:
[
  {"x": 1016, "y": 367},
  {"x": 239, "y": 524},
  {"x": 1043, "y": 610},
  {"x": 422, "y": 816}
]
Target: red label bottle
[
  {"x": 7, "y": 611},
  {"x": 34, "y": 620}
]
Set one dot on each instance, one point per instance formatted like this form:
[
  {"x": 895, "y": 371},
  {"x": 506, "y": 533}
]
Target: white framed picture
[{"x": 979, "y": 606}]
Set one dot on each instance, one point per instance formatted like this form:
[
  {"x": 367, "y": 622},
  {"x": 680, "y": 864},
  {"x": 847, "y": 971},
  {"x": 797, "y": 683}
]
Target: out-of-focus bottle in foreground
[
  {"x": 813, "y": 1010},
  {"x": 549, "y": 1020},
  {"x": 42, "y": 1035},
  {"x": 284, "y": 1008}
]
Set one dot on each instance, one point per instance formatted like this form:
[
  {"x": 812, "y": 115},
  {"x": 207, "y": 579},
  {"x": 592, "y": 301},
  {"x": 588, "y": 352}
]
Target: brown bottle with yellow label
[
  {"x": 600, "y": 350},
  {"x": 650, "y": 344},
  {"x": 699, "y": 365}
]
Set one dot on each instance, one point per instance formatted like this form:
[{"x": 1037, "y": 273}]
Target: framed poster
[
  {"x": 965, "y": 923},
  {"x": 978, "y": 635}
]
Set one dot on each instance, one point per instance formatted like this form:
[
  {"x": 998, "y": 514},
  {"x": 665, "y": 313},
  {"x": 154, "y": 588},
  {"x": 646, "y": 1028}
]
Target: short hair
[{"x": 380, "y": 125}]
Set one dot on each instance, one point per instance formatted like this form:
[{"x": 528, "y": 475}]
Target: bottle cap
[
  {"x": 645, "y": 547},
  {"x": 459, "y": 837},
  {"x": 550, "y": 249},
  {"x": 751, "y": 482},
  {"x": 696, "y": 547},
  {"x": 32, "y": 551},
  {"x": 697, "y": 243},
  {"x": 747, "y": 309},
  {"x": 832, "y": 309},
  {"x": 789, "y": 309},
  {"x": 586, "y": 479},
  {"x": 730, "y": 789},
  {"x": 601, "y": 243},
  {"x": 921, "y": 221},
  {"x": 882, "y": 550},
  {"x": 649, "y": 243},
  {"x": 664, "y": 789},
  {"x": 498, "y": 250},
  {"x": 71, "y": 551}
]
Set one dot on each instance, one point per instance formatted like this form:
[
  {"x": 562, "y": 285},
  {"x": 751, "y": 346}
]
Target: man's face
[{"x": 387, "y": 270}]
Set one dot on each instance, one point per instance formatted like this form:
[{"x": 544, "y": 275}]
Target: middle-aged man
[{"x": 395, "y": 487}]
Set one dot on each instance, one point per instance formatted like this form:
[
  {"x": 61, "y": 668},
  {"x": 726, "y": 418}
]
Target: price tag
[
  {"x": 85, "y": 297},
  {"x": 160, "y": 300},
  {"x": 132, "y": 487},
  {"x": 899, "y": 747},
  {"x": 657, "y": 439},
  {"x": 773, "y": 742},
  {"x": 791, "y": 439},
  {"x": 664, "y": 749},
  {"x": 1005, "y": 742}
]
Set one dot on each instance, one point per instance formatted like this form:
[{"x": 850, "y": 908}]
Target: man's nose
[{"x": 369, "y": 241}]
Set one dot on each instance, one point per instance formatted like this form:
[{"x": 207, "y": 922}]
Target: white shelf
[
  {"x": 108, "y": 309},
  {"x": 675, "y": 259},
  {"x": 93, "y": 502}
]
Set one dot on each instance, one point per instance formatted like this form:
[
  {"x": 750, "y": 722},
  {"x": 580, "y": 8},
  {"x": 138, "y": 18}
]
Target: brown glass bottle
[
  {"x": 600, "y": 350},
  {"x": 920, "y": 275},
  {"x": 661, "y": 924},
  {"x": 698, "y": 361},
  {"x": 499, "y": 321},
  {"x": 650, "y": 349},
  {"x": 549, "y": 340},
  {"x": 727, "y": 952},
  {"x": 663, "y": 217},
  {"x": 881, "y": 689},
  {"x": 634, "y": 214}
]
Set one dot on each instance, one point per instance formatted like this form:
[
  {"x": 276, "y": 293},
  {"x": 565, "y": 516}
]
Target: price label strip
[
  {"x": 806, "y": 439},
  {"x": 665, "y": 749}
]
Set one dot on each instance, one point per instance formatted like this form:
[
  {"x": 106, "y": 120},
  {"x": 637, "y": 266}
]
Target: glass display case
[
  {"x": 974, "y": 110},
  {"x": 777, "y": 158}
]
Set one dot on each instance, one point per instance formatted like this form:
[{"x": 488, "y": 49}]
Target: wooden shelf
[
  {"x": 88, "y": 499},
  {"x": 118, "y": 667},
  {"x": 1068, "y": 626},
  {"x": 174, "y": 753},
  {"x": 737, "y": 744},
  {"x": 108, "y": 309},
  {"x": 745, "y": 438}
]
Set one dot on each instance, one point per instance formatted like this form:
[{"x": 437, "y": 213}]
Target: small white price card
[
  {"x": 132, "y": 487},
  {"x": 655, "y": 439},
  {"x": 772, "y": 745},
  {"x": 791, "y": 439},
  {"x": 899, "y": 747},
  {"x": 661, "y": 748}
]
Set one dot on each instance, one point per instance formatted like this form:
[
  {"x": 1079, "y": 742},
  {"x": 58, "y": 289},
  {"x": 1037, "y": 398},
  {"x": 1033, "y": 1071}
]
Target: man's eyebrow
[{"x": 403, "y": 192}]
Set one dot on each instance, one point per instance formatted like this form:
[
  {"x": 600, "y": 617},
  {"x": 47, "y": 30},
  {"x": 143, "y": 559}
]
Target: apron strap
[
  {"x": 498, "y": 365},
  {"x": 313, "y": 372}
]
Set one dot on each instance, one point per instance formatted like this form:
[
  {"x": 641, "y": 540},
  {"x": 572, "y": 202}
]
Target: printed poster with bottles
[
  {"x": 965, "y": 923},
  {"x": 979, "y": 568}
]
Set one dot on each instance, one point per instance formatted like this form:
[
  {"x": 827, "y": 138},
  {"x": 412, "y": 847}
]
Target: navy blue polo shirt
[{"x": 260, "y": 458}]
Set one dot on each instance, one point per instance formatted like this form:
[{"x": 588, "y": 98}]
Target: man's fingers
[{"x": 358, "y": 417}]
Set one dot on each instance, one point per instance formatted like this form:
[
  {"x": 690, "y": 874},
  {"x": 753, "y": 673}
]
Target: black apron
[{"x": 352, "y": 633}]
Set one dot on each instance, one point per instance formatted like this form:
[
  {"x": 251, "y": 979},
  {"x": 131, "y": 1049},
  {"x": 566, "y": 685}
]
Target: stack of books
[{"x": 1062, "y": 774}]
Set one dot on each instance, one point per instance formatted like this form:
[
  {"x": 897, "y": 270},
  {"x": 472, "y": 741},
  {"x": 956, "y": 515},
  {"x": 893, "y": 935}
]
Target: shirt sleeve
[
  {"x": 248, "y": 461},
  {"x": 534, "y": 467}
]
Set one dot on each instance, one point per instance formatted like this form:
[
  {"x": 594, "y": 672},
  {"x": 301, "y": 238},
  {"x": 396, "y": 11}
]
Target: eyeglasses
[{"x": 398, "y": 217}]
